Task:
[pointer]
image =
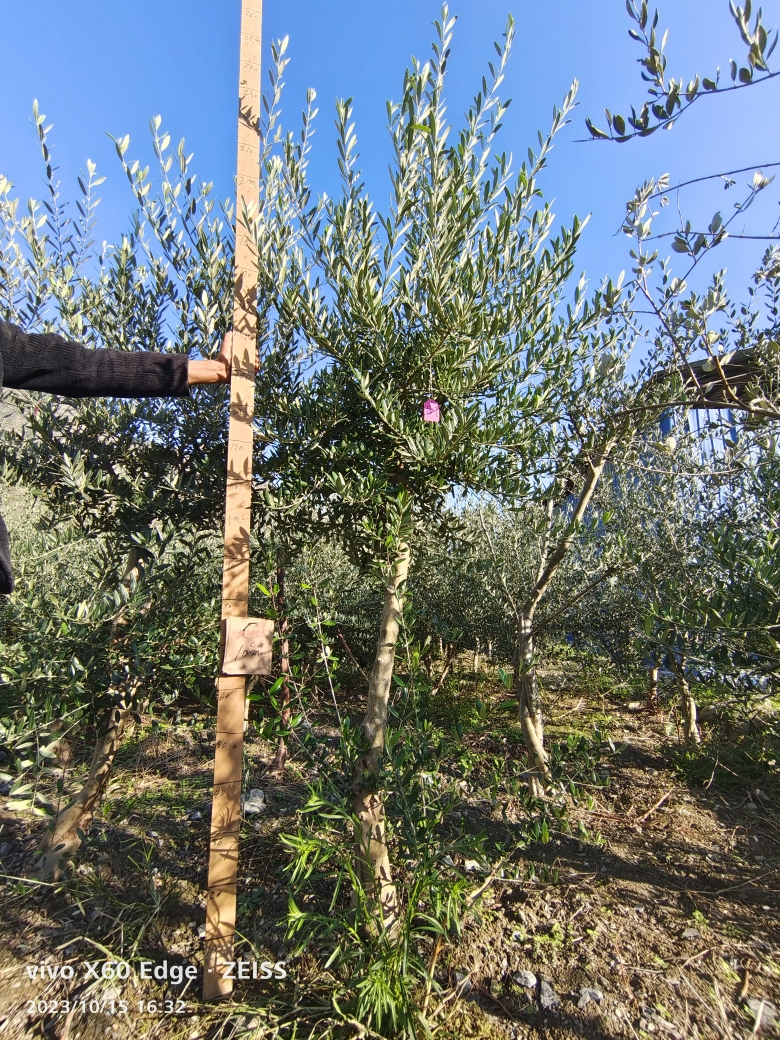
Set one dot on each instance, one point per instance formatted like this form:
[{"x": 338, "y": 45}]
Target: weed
[
  {"x": 381, "y": 978},
  {"x": 548, "y": 946},
  {"x": 741, "y": 751}
]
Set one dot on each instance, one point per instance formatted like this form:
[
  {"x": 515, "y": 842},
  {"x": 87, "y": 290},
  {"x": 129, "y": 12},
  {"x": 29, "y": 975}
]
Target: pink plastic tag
[{"x": 431, "y": 411}]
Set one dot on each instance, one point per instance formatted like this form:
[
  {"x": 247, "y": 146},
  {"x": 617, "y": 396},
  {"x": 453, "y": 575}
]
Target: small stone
[
  {"x": 526, "y": 979},
  {"x": 764, "y": 1013},
  {"x": 691, "y": 933},
  {"x": 473, "y": 867},
  {"x": 4, "y": 848},
  {"x": 448, "y": 861},
  {"x": 548, "y": 998},
  {"x": 463, "y": 984},
  {"x": 639, "y": 909},
  {"x": 244, "y": 1025},
  {"x": 195, "y": 816},
  {"x": 588, "y": 995},
  {"x": 254, "y": 802}
]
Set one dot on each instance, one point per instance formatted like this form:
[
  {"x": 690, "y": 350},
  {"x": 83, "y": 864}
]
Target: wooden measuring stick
[{"x": 231, "y": 690}]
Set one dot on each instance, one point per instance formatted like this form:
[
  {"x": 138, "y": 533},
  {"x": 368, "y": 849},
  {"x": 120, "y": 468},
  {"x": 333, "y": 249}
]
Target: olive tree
[
  {"x": 459, "y": 294},
  {"x": 142, "y": 480}
]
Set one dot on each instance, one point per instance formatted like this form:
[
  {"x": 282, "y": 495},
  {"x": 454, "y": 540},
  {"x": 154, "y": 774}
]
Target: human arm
[{"x": 53, "y": 364}]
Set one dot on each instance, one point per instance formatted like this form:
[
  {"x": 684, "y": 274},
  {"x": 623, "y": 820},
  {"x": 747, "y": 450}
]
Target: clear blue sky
[{"x": 102, "y": 66}]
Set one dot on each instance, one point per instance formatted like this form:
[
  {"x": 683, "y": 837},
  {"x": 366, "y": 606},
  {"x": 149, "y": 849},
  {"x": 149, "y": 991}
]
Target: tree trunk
[
  {"x": 652, "y": 690},
  {"x": 690, "y": 725},
  {"x": 526, "y": 690},
  {"x": 448, "y": 663},
  {"x": 525, "y": 683},
  {"x": 280, "y": 757},
  {"x": 62, "y": 842},
  {"x": 373, "y": 861}
]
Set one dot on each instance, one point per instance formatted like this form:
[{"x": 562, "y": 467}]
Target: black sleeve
[
  {"x": 6, "y": 574},
  {"x": 57, "y": 366}
]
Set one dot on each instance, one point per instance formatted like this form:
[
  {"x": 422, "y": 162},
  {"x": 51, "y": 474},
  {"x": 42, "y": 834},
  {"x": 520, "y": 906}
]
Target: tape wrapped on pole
[{"x": 231, "y": 689}]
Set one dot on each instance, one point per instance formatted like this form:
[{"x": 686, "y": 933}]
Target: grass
[
  {"x": 740, "y": 752},
  {"x": 142, "y": 895}
]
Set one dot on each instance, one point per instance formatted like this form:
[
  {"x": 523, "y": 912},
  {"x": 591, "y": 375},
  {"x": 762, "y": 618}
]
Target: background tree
[{"x": 138, "y": 479}]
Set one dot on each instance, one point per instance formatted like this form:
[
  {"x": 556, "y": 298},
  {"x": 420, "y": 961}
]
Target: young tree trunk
[
  {"x": 284, "y": 667},
  {"x": 476, "y": 657},
  {"x": 373, "y": 861},
  {"x": 652, "y": 690},
  {"x": 61, "y": 843},
  {"x": 525, "y": 683},
  {"x": 690, "y": 724},
  {"x": 526, "y": 690},
  {"x": 448, "y": 663}
]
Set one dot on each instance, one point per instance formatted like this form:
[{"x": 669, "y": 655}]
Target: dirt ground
[{"x": 657, "y": 913}]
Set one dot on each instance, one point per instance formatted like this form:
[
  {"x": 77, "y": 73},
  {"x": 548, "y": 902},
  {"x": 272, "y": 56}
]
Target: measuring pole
[{"x": 231, "y": 689}]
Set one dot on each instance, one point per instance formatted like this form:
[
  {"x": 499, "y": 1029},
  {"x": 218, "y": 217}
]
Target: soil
[{"x": 658, "y": 913}]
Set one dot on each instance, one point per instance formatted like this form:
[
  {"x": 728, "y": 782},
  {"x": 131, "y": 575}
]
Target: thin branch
[
  {"x": 510, "y": 599},
  {"x": 556, "y": 557},
  {"x": 667, "y": 124},
  {"x": 448, "y": 664},
  {"x": 350, "y": 655},
  {"x": 751, "y": 238},
  {"x": 575, "y": 599},
  {"x": 712, "y": 177}
]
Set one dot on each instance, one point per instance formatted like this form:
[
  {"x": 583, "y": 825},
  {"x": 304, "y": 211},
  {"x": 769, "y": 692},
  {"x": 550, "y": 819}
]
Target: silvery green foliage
[
  {"x": 670, "y": 98},
  {"x": 689, "y": 319},
  {"x": 460, "y": 291},
  {"x": 112, "y": 476},
  {"x": 108, "y": 464},
  {"x": 711, "y": 533},
  {"x": 717, "y": 604}
]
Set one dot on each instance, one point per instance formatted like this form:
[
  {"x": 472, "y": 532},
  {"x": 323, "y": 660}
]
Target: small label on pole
[{"x": 248, "y": 646}]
